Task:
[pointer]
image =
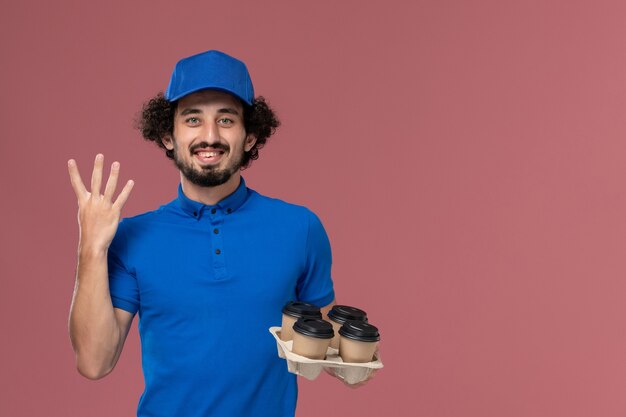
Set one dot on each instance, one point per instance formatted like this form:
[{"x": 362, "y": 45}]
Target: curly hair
[{"x": 157, "y": 121}]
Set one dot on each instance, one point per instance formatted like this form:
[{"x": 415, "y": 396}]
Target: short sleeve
[
  {"x": 122, "y": 283},
  {"x": 315, "y": 285}
]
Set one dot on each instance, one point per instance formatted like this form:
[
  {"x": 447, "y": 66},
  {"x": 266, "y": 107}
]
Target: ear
[
  {"x": 249, "y": 142},
  {"x": 167, "y": 142}
]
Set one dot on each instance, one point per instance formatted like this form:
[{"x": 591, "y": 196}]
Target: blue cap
[{"x": 214, "y": 70}]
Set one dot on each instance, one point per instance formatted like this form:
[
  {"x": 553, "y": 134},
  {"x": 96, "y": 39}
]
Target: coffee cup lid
[
  {"x": 317, "y": 328},
  {"x": 360, "y": 330},
  {"x": 299, "y": 309},
  {"x": 341, "y": 314}
]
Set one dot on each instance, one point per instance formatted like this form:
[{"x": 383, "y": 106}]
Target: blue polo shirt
[{"x": 208, "y": 282}]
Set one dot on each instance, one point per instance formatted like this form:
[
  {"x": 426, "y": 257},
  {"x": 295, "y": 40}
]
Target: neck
[{"x": 210, "y": 195}]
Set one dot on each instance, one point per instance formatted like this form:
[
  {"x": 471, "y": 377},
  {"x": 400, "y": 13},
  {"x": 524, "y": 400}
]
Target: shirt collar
[{"x": 227, "y": 205}]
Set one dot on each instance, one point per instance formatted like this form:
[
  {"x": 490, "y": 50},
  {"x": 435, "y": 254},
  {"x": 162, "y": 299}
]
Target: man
[{"x": 208, "y": 272}]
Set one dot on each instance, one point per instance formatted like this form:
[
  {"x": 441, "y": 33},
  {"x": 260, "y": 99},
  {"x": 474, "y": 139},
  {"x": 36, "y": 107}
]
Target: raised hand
[{"x": 98, "y": 214}]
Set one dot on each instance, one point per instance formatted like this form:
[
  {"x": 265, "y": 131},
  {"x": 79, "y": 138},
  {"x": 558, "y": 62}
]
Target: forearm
[
  {"x": 94, "y": 329},
  {"x": 324, "y": 310}
]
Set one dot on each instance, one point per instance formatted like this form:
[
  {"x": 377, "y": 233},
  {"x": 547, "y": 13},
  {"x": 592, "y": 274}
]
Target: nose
[{"x": 210, "y": 132}]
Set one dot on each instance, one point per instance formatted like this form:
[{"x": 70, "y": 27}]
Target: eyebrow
[
  {"x": 190, "y": 111},
  {"x": 228, "y": 110}
]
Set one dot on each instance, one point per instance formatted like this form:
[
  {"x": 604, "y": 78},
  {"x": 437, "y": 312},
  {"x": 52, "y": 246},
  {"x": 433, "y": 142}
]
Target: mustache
[{"x": 217, "y": 145}]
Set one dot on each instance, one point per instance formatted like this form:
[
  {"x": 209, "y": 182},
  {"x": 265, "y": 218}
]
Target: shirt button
[
  {"x": 213, "y": 211},
  {"x": 229, "y": 210},
  {"x": 216, "y": 231},
  {"x": 195, "y": 214},
  {"x": 217, "y": 251}
]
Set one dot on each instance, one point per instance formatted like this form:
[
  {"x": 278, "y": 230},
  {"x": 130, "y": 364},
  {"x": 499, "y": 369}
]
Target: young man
[{"x": 208, "y": 272}]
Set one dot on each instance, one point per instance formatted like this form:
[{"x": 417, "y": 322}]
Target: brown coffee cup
[
  {"x": 358, "y": 341},
  {"x": 340, "y": 314},
  {"x": 294, "y": 310},
  {"x": 311, "y": 337}
]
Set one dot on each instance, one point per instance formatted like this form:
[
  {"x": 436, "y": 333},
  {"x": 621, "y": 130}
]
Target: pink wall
[{"x": 467, "y": 159}]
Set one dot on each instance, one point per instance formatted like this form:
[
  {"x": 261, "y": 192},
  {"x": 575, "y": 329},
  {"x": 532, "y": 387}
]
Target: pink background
[{"x": 467, "y": 159}]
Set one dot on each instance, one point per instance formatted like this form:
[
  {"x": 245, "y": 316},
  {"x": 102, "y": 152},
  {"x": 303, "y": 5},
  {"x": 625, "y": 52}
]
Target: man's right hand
[
  {"x": 98, "y": 214},
  {"x": 97, "y": 329}
]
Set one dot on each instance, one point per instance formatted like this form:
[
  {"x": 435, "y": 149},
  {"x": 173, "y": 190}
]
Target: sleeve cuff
[
  {"x": 124, "y": 305},
  {"x": 322, "y": 302}
]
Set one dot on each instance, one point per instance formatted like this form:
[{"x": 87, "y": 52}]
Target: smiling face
[{"x": 209, "y": 138}]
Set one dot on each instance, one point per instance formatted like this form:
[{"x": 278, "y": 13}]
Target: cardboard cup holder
[{"x": 310, "y": 369}]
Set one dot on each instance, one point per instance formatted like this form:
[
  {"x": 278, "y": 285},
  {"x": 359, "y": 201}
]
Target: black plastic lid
[
  {"x": 299, "y": 309},
  {"x": 359, "y": 330},
  {"x": 318, "y": 328},
  {"x": 341, "y": 314}
]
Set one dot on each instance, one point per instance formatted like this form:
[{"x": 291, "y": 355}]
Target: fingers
[
  {"x": 96, "y": 182},
  {"x": 77, "y": 182},
  {"x": 121, "y": 199},
  {"x": 96, "y": 176},
  {"x": 112, "y": 181}
]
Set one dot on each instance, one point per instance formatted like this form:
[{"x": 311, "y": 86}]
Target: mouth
[{"x": 205, "y": 156}]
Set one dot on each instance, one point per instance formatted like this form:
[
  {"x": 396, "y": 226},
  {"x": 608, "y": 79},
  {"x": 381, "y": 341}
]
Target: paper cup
[
  {"x": 311, "y": 338},
  {"x": 358, "y": 342},
  {"x": 294, "y": 310},
  {"x": 340, "y": 314}
]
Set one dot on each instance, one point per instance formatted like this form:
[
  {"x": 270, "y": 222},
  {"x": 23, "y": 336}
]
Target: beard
[{"x": 208, "y": 176}]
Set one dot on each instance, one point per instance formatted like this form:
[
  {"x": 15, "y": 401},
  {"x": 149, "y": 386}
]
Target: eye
[
  {"x": 225, "y": 121},
  {"x": 192, "y": 120}
]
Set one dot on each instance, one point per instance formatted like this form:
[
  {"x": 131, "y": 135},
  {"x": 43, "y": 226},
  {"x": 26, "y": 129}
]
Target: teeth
[{"x": 207, "y": 154}]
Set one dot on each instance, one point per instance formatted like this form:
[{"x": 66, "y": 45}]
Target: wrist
[{"x": 91, "y": 251}]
